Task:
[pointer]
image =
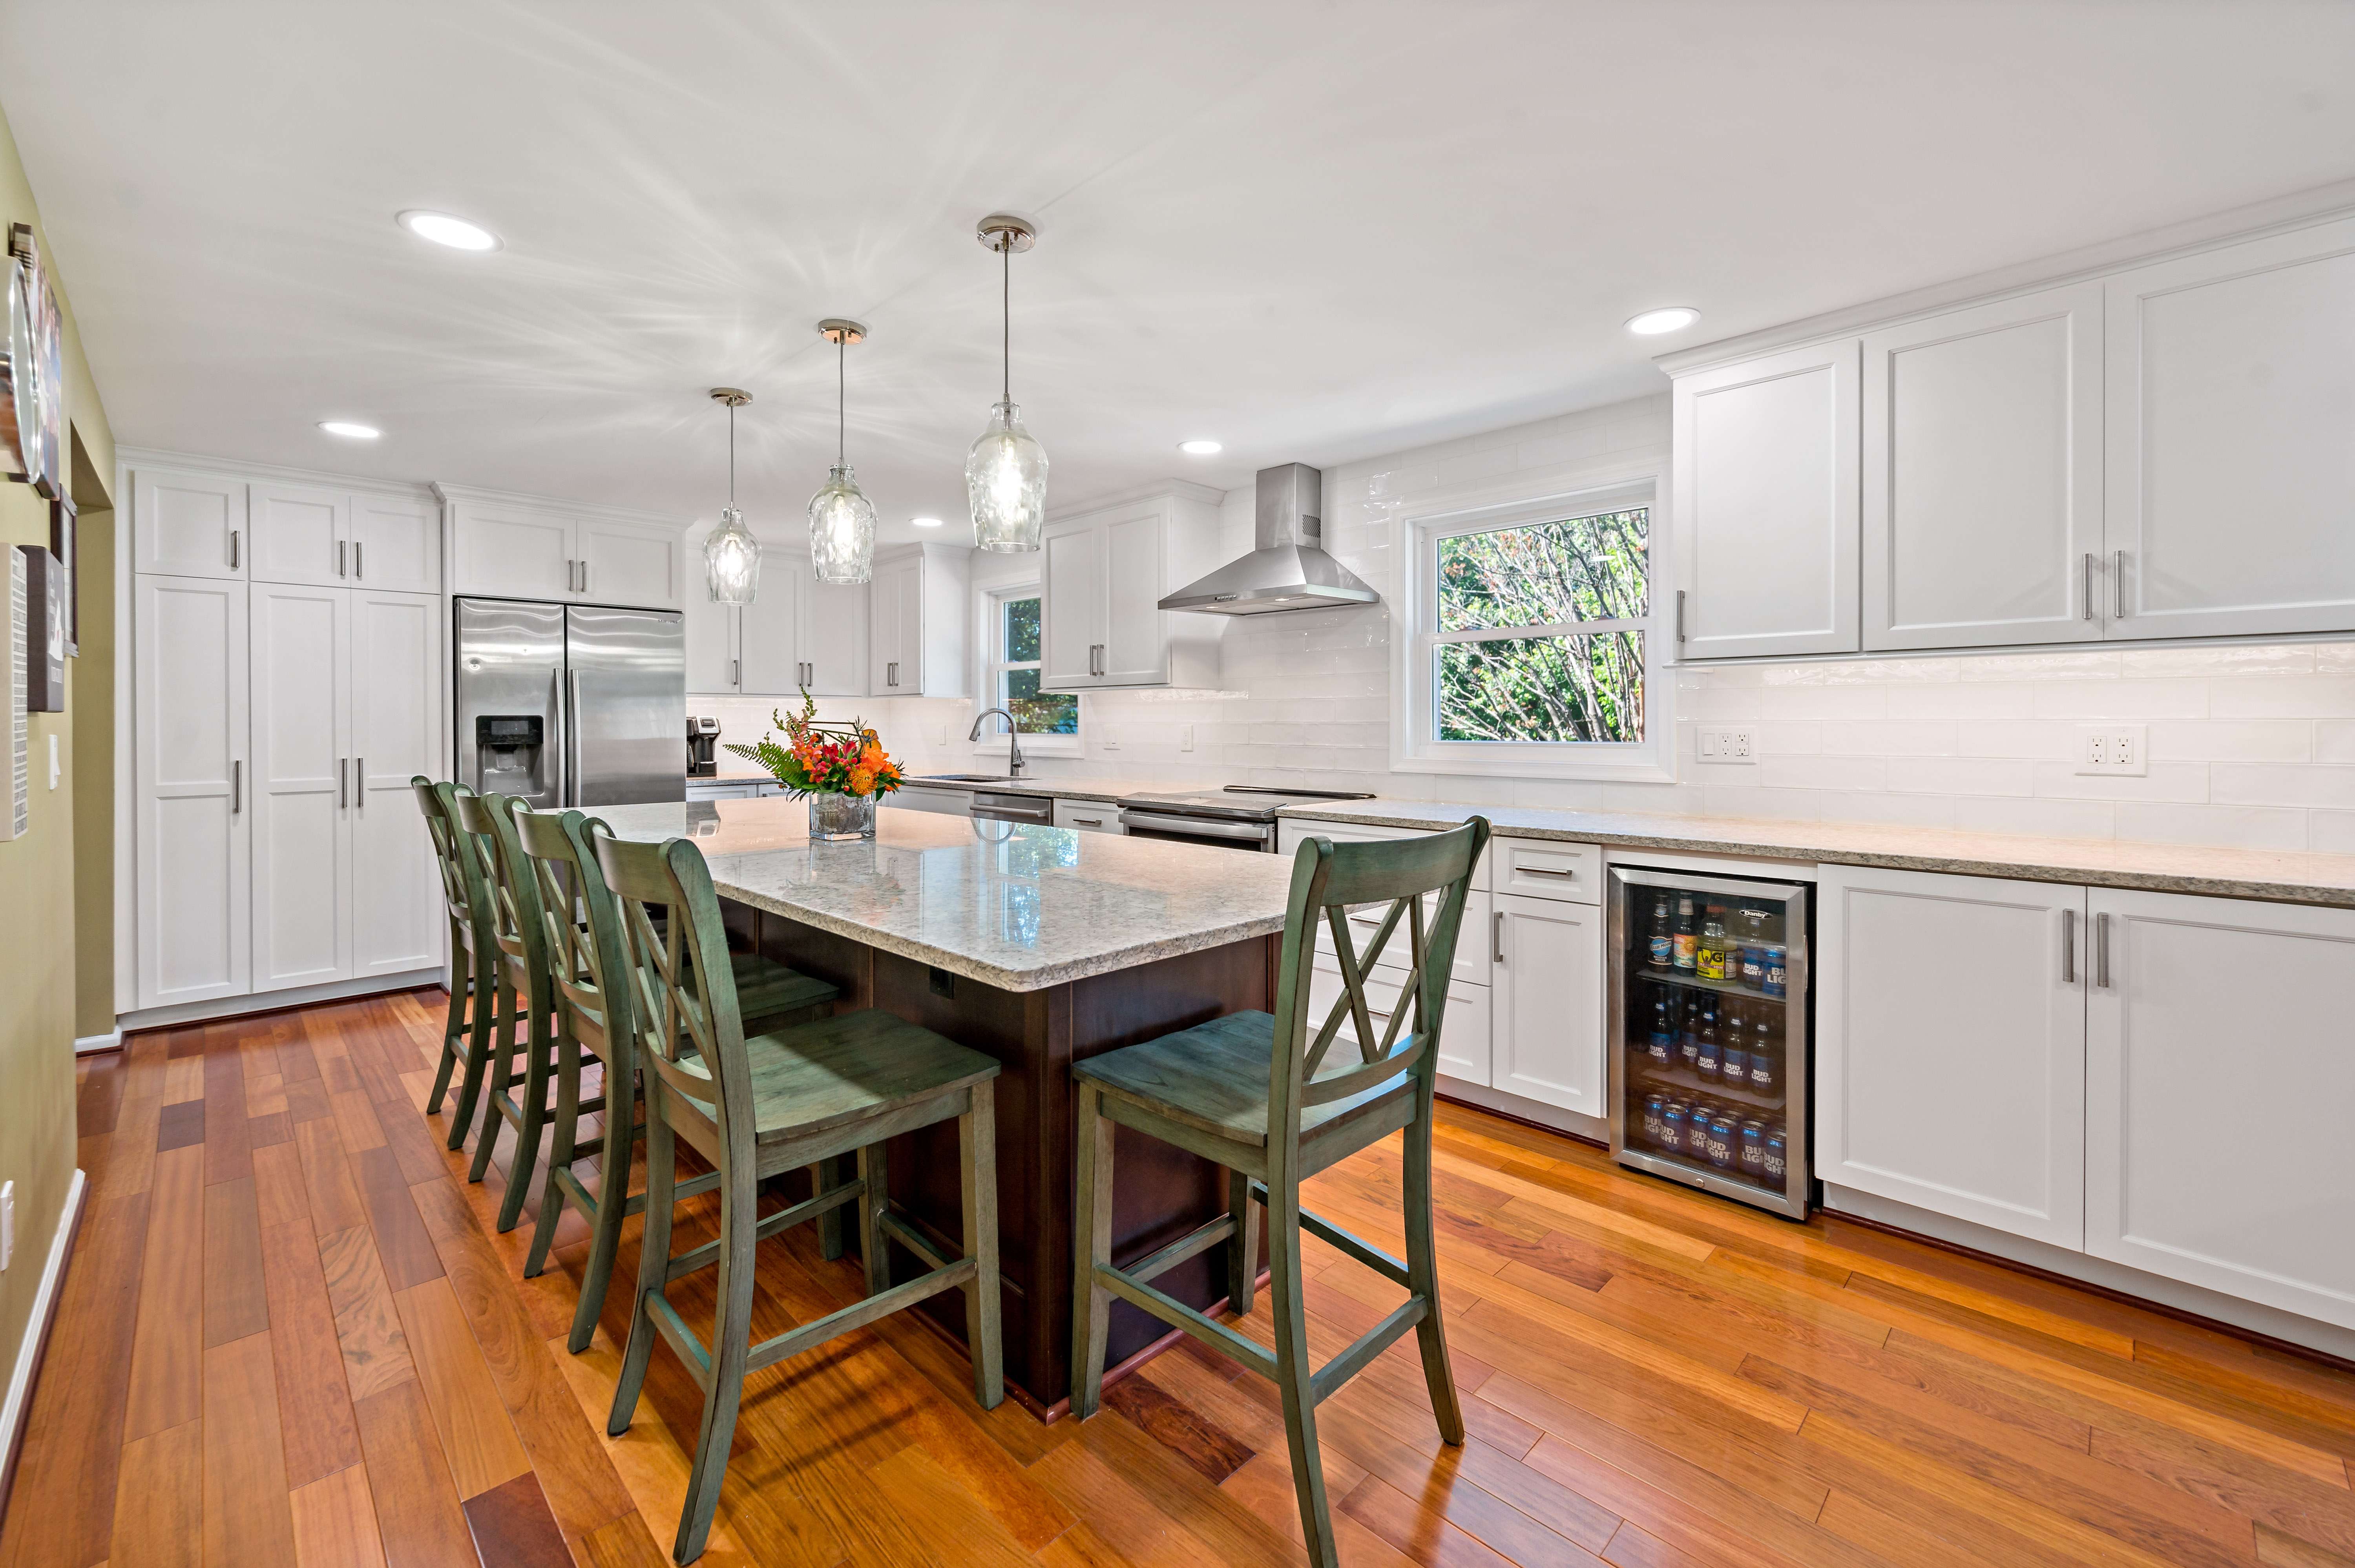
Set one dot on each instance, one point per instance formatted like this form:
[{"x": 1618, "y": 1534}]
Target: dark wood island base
[{"x": 1163, "y": 1192}]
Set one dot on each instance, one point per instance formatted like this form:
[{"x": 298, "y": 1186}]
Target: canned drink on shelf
[
  {"x": 1723, "y": 1138},
  {"x": 1654, "y": 1104},
  {"x": 1753, "y": 1149},
  {"x": 1674, "y": 1116},
  {"x": 1774, "y": 981},
  {"x": 1777, "y": 1155}
]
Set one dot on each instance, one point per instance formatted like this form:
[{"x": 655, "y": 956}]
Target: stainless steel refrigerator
[{"x": 571, "y": 704}]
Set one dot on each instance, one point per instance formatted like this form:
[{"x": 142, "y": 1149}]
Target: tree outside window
[
  {"x": 1539, "y": 631},
  {"x": 1015, "y": 672}
]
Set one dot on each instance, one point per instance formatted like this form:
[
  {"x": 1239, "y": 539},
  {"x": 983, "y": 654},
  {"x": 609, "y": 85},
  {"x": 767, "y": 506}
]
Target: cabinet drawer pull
[
  {"x": 1500, "y": 936},
  {"x": 2069, "y": 946},
  {"x": 1543, "y": 871},
  {"x": 2102, "y": 951}
]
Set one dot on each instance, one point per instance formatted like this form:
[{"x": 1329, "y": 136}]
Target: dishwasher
[{"x": 1033, "y": 810}]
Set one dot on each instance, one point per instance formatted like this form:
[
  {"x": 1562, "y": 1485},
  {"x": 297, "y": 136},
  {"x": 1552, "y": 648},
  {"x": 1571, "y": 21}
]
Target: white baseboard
[
  {"x": 1594, "y": 1129},
  {"x": 36, "y": 1335},
  {"x": 111, "y": 1040},
  {"x": 274, "y": 1001},
  {"x": 2272, "y": 1322}
]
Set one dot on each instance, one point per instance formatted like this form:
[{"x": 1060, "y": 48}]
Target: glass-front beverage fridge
[{"x": 1708, "y": 1033}]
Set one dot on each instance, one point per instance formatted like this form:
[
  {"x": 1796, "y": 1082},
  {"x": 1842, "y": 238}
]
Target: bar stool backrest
[
  {"x": 690, "y": 1032},
  {"x": 464, "y": 885},
  {"x": 515, "y": 889},
  {"x": 582, "y": 922},
  {"x": 1327, "y": 881}
]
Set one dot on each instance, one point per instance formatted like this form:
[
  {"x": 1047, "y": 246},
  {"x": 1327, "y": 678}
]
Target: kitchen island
[{"x": 1039, "y": 946}]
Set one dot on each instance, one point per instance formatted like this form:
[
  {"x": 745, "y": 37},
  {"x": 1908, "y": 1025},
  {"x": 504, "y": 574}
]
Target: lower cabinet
[
  {"x": 1464, "y": 1032},
  {"x": 917, "y": 797},
  {"x": 1950, "y": 1046},
  {"x": 1088, "y": 815},
  {"x": 2220, "y": 1090},
  {"x": 1546, "y": 1025}
]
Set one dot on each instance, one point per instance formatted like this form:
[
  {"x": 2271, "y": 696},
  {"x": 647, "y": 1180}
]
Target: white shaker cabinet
[
  {"x": 917, "y": 618},
  {"x": 301, "y": 534},
  {"x": 2219, "y": 1087},
  {"x": 399, "y": 921},
  {"x": 192, "y": 797},
  {"x": 630, "y": 563},
  {"x": 1982, "y": 509},
  {"x": 1764, "y": 501},
  {"x": 1547, "y": 985},
  {"x": 1105, "y": 573},
  {"x": 301, "y": 790},
  {"x": 522, "y": 547},
  {"x": 834, "y": 645},
  {"x": 514, "y": 554},
  {"x": 1950, "y": 1046},
  {"x": 2231, "y": 493},
  {"x": 188, "y": 524},
  {"x": 396, "y": 543},
  {"x": 768, "y": 654},
  {"x": 1088, "y": 816}
]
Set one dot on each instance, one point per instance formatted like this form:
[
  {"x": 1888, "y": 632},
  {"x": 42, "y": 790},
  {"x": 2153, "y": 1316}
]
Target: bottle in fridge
[{"x": 1709, "y": 1033}]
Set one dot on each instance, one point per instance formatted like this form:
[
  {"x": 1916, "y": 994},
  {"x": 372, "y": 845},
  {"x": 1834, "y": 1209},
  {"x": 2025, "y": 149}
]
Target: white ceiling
[{"x": 1315, "y": 232}]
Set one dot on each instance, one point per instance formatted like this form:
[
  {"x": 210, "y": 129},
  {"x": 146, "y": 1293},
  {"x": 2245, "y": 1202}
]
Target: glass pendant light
[
  {"x": 841, "y": 519},
  {"x": 731, "y": 556},
  {"x": 1005, "y": 471}
]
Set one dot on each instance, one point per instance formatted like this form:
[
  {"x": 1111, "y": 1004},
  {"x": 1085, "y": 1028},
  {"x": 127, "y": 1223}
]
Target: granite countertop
[
  {"x": 2285, "y": 876},
  {"x": 1059, "y": 789},
  {"x": 1016, "y": 907}
]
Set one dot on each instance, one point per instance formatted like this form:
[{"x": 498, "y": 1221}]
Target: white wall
[{"x": 2251, "y": 745}]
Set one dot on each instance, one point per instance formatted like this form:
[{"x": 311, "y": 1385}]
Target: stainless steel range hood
[{"x": 1290, "y": 569}]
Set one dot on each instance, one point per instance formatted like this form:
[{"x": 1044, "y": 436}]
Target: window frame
[
  {"x": 1414, "y": 727},
  {"x": 995, "y": 664}
]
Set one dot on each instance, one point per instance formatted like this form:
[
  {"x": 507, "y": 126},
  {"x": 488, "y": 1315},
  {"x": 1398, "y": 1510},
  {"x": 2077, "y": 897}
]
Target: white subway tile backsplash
[
  {"x": 2282, "y": 784},
  {"x": 2046, "y": 818},
  {"x": 2040, "y": 739},
  {"x": 2064, "y": 698},
  {"x": 1894, "y": 738},
  {"x": 1856, "y": 774},
  {"x": 2236, "y": 741},
  {"x": 2285, "y": 697},
  {"x": 2165, "y": 781},
  {"x": 2244, "y": 826},
  {"x": 1962, "y": 775}
]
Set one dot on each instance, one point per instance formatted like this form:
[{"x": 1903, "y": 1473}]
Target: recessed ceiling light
[
  {"x": 444, "y": 229},
  {"x": 1668, "y": 318},
  {"x": 1198, "y": 448},
  {"x": 926, "y": 522},
  {"x": 349, "y": 431}
]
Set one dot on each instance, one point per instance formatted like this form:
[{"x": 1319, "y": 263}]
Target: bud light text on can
[
  {"x": 1774, "y": 981},
  {"x": 1777, "y": 1155},
  {"x": 1722, "y": 1139},
  {"x": 1754, "y": 1150},
  {"x": 1672, "y": 1126}
]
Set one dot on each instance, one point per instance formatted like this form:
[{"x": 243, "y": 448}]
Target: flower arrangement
[{"x": 824, "y": 759}]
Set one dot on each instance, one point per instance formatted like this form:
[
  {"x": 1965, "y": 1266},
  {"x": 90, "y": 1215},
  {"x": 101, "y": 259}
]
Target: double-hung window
[
  {"x": 1533, "y": 638},
  {"x": 1014, "y": 669}
]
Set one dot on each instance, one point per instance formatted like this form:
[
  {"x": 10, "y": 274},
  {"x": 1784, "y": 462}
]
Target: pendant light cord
[
  {"x": 732, "y": 457},
  {"x": 1006, "y": 313},
  {"x": 841, "y": 417}
]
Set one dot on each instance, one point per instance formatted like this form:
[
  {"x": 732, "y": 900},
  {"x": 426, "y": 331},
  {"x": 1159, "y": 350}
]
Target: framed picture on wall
[
  {"x": 65, "y": 543},
  {"x": 45, "y": 632}
]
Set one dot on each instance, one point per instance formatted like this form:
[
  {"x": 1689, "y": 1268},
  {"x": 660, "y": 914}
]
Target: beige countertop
[
  {"x": 1059, "y": 789},
  {"x": 1016, "y": 907},
  {"x": 2288, "y": 875}
]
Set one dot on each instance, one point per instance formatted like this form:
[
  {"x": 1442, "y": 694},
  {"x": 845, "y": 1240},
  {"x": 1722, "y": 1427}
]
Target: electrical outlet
[
  {"x": 1713, "y": 746},
  {"x": 2118, "y": 749},
  {"x": 1185, "y": 737},
  {"x": 1108, "y": 740}
]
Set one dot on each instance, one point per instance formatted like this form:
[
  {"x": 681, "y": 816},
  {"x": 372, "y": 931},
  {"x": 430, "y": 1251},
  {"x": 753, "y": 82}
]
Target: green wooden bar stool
[
  {"x": 475, "y": 995},
  {"x": 589, "y": 955},
  {"x": 527, "y": 983},
  {"x": 1254, "y": 1092},
  {"x": 768, "y": 1104}
]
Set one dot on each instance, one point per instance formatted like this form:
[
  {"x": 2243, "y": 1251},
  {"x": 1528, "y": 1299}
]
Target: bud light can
[
  {"x": 1722, "y": 1139},
  {"x": 1754, "y": 1150},
  {"x": 1672, "y": 1126},
  {"x": 1654, "y": 1104},
  {"x": 1774, "y": 982},
  {"x": 1777, "y": 1156}
]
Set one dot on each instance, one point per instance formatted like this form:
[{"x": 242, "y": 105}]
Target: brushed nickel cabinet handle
[
  {"x": 341, "y": 549},
  {"x": 343, "y": 783},
  {"x": 1680, "y": 617},
  {"x": 2090, "y": 611},
  {"x": 2068, "y": 947},
  {"x": 2102, "y": 951},
  {"x": 356, "y": 572},
  {"x": 359, "y": 784},
  {"x": 2119, "y": 586},
  {"x": 1500, "y": 936},
  {"x": 236, "y": 788},
  {"x": 233, "y": 550}
]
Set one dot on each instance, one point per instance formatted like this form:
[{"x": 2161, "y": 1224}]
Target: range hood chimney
[{"x": 1289, "y": 569}]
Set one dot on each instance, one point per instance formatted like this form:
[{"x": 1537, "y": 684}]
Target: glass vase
[{"x": 841, "y": 817}]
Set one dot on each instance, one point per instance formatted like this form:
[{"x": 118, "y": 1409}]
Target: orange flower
[{"x": 862, "y": 780}]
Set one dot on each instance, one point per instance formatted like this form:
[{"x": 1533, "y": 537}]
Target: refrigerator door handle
[
  {"x": 571, "y": 795},
  {"x": 2068, "y": 947}
]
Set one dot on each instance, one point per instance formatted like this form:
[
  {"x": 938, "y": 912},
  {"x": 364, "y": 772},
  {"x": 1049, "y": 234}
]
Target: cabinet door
[
  {"x": 836, "y": 647},
  {"x": 189, "y": 525},
  {"x": 1950, "y": 1046},
  {"x": 712, "y": 642},
  {"x": 396, "y": 544},
  {"x": 769, "y": 633},
  {"x": 1765, "y": 499},
  {"x": 1547, "y": 985},
  {"x": 895, "y": 629},
  {"x": 1465, "y": 1034},
  {"x": 621, "y": 564},
  {"x": 300, "y": 535},
  {"x": 193, "y": 797},
  {"x": 398, "y": 916},
  {"x": 1072, "y": 621},
  {"x": 300, "y": 785},
  {"x": 1088, "y": 816},
  {"x": 515, "y": 555},
  {"x": 2230, "y": 497},
  {"x": 1135, "y": 641},
  {"x": 2219, "y": 1088},
  {"x": 1983, "y": 475}
]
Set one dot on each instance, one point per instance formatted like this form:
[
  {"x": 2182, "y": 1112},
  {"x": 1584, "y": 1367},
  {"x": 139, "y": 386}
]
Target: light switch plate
[
  {"x": 1185, "y": 737},
  {"x": 1712, "y": 744},
  {"x": 7, "y": 1222},
  {"x": 57, "y": 768},
  {"x": 2121, "y": 750}
]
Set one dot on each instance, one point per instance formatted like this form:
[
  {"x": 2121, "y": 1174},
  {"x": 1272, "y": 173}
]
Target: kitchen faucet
[{"x": 1013, "y": 739}]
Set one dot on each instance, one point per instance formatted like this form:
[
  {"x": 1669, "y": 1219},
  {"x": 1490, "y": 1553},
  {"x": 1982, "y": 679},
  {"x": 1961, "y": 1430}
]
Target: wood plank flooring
[{"x": 289, "y": 1335}]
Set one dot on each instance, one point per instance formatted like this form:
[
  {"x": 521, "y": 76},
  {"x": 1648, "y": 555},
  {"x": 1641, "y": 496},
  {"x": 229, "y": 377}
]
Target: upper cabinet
[
  {"x": 195, "y": 523},
  {"x": 1105, "y": 573},
  {"x": 524, "y": 547},
  {"x": 1764, "y": 500},
  {"x": 916, "y": 624},
  {"x": 1983, "y": 475},
  {"x": 901, "y": 635},
  {"x": 2158, "y": 452},
  {"x": 2231, "y": 505}
]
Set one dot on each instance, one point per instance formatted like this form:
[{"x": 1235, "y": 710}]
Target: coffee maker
[{"x": 702, "y": 742}]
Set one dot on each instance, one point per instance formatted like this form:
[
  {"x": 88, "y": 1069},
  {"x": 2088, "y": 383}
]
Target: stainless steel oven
[{"x": 1241, "y": 817}]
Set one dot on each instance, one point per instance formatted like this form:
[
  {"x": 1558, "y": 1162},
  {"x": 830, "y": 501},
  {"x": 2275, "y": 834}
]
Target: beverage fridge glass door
[
  {"x": 1708, "y": 1043},
  {"x": 509, "y": 672},
  {"x": 626, "y": 676}
]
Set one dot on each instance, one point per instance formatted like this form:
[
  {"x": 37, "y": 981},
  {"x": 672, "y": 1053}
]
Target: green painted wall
[{"x": 39, "y": 919}]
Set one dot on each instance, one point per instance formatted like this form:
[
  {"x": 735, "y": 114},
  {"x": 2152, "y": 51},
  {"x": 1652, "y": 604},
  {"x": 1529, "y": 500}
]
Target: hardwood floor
[{"x": 290, "y": 1337}]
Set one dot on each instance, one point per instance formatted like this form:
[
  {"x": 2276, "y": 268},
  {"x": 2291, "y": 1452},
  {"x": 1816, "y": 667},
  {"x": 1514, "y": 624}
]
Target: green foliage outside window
[
  {"x": 1035, "y": 712},
  {"x": 1553, "y": 685}
]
